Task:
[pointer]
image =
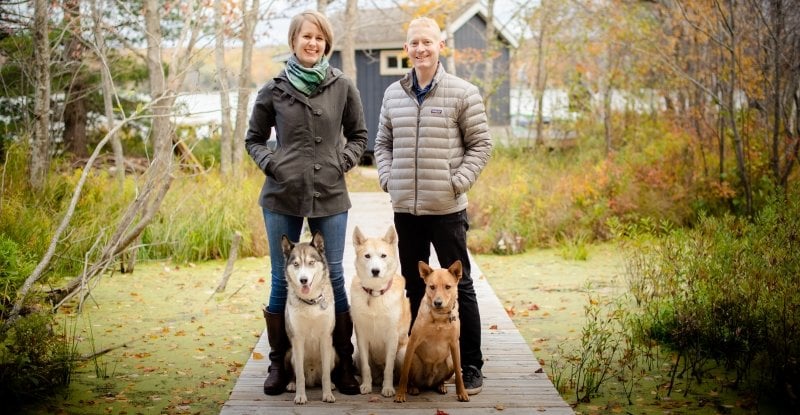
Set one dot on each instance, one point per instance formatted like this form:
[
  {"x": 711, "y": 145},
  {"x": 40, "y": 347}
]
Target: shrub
[
  {"x": 35, "y": 362},
  {"x": 573, "y": 196},
  {"x": 728, "y": 291},
  {"x": 15, "y": 266}
]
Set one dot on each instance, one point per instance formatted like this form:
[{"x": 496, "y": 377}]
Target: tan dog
[
  {"x": 310, "y": 317},
  {"x": 380, "y": 310},
  {"x": 433, "y": 348}
]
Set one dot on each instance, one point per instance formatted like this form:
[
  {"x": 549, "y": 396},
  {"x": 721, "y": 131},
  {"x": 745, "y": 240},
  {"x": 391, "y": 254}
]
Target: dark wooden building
[{"x": 380, "y": 60}]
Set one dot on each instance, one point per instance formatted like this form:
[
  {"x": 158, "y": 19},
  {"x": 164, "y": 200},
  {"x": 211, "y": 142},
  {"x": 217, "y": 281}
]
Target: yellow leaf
[{"x": 257, "y": 356}]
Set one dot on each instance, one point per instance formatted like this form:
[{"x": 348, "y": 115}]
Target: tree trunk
[
  {"x": 348, "y": 44},
  {"x": 738, "y": 143},
  {"x": 40, "y": 147},
  {"x": 243, "y": 100},
  {"x": 75, "y": 108},
  {"x": 225, "y": 138},
  {"x": 541, "y": 78},
  {"x": 607, "y": 125},
  {"x": 778, "y": 21},
  {"x": 75, "y": 113},
  {"x": 108, "y": 94},
  {"x": 450, "y": 42},
  {"x": 488, "y": 69}
]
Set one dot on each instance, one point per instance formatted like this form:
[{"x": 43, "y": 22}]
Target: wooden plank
[{"x": 514, "y": 380}]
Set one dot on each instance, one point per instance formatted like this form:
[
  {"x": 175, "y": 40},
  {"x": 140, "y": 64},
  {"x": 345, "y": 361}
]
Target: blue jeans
[{"x": 333, "y": 229}]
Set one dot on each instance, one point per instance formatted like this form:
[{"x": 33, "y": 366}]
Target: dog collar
[
  {"x": 372, "y": 292},
  {"x": 319, "y": 300},
  {"x": 450, "y": 316}
]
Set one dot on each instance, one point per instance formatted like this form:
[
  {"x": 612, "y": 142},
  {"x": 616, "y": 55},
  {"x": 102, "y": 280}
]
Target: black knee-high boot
[{"x": 278, "y": 375}]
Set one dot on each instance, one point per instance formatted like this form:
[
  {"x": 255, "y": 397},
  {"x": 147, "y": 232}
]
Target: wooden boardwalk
[{"x": 514, "y": 382}]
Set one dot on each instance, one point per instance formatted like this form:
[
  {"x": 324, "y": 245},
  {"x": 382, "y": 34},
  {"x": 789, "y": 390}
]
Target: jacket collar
[{"x": 407, "y": 81}]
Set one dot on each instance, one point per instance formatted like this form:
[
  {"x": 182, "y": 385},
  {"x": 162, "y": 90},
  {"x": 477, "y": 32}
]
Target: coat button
[
  {"x": 317, "y": 166},
  {"x": 316, "y": 194},
  {"x": 317, "y": 112},
  {"x": 318, "y": 139}
]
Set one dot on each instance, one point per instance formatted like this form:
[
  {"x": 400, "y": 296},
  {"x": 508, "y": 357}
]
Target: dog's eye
[
  {"x": 383, "y": 255},
  {"x": 367, "y": 256},
  {"x": 312, "y": 262},
  {"x": 447, "y": 287},
  {"x": 432, "y": 287}
]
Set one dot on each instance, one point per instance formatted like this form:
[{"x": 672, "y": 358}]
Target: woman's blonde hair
[{"x": 317, "y": 18}]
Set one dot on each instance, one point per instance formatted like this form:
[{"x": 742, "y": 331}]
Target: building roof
[{"x": 386, "y": 28}]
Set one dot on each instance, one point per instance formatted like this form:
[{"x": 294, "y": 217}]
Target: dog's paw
[
  {"x": 400, "y": 397},
  {"x": 463, "y": 397},
  {"x": 300, "y": 399},
  {"x": 442, "y": 389},
  {"x": 366, "y": 388},
  {"x": 387, "y": 391},
  {"x": 291, "y": 387},
  {"x": 328, "y": 397}
]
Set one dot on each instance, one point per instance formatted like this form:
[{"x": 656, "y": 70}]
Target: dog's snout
[
  {"x": 438, "y": 303},
  {"x": 376, "y": 272},
  {"x": 304, "y": 280}
]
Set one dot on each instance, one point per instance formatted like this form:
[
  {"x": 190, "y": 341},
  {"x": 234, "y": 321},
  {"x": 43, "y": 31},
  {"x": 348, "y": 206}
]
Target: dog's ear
[
  {"x": 318, "y": 241},
  {"x": 286, "y": 245},
  {"x": 391, "y": 236},
  {"x": 358, "y": 237},
  {"x": 424, "y": 269},
  {"x": 456, "y": 269}
]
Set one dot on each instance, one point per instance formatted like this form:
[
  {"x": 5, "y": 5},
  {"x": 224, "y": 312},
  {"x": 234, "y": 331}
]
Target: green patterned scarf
[{"x": 306, "y": 80}]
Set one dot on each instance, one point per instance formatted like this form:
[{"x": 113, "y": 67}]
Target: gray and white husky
[{"x": 310, "y": 317}]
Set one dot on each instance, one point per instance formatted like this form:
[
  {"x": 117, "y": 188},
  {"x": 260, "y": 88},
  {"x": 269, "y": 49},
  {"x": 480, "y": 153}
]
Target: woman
[{"x": 310, "y": 105}]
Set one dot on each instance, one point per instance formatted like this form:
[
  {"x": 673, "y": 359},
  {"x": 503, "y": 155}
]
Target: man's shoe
[{"x": 473, "y": 379}]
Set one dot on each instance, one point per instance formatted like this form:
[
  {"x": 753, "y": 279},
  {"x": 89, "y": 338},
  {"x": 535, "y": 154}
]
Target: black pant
[{"x": 448, "y": 234}]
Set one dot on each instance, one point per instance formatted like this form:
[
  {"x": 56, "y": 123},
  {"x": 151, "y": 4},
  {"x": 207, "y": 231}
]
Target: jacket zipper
[{"x": 416, "y": 157}]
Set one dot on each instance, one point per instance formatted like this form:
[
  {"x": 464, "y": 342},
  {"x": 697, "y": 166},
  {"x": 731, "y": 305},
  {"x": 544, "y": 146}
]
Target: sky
[{"x": 274, "y": 31}]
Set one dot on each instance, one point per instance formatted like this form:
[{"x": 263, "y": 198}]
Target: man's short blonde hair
[
  {"x": 427, "y": 22},
  {"x": 318, "y": 19}
]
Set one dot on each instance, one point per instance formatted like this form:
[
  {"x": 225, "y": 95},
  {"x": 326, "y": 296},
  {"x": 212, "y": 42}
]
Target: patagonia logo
[{"x": 436, "y": 110}]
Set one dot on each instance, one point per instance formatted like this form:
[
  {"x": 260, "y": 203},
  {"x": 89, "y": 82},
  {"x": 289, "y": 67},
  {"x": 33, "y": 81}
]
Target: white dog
[
  {"x": 310, "y": 317},
  {"x": 380, "y": 310}
]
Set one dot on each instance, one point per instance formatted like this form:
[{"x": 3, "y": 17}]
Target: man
[{"x": 432, "y": 143}]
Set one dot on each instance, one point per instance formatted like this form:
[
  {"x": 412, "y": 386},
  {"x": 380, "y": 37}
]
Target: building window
[{"x": 394, "y": 62}]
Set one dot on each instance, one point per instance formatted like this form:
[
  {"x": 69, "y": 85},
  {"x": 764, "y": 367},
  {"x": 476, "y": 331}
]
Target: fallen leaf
[
  {"x": 510, "y": 311},
  {"x": 493, "y": 327},
  {"x": 533, "y": 307},
  {"x": 257, "y": 356},
  {"x": 499, "y": 407}
]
